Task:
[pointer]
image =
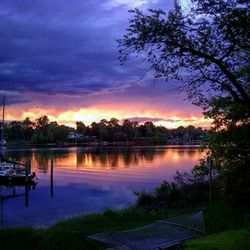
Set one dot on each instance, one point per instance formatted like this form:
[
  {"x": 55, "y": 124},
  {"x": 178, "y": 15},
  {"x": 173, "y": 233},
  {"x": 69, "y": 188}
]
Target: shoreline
[
  {"x": 72, "y": 233},
  {"x": 94, "y": 147}
]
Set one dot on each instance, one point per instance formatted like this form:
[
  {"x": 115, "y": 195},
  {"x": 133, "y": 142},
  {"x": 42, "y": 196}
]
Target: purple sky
[{"x": 60, "y": 58}]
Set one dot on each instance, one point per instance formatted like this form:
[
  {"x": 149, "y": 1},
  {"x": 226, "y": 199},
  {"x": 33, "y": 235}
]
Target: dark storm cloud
[
  {"x": 63, "y": 46},
  {"x": 13, "y": 98}
]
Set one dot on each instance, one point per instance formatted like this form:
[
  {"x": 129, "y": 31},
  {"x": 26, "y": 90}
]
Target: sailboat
[
  {"x": 15, "y": 174},
  {"x": 12, "y": 172},
  {"x": 3, "y": 142}
]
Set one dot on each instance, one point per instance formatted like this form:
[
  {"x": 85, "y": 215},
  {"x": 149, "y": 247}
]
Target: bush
[{"x": 184, "y": 193}]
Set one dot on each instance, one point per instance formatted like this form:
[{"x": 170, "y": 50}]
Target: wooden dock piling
[
  {"x": 27, "y": 167},
  {"x": 51, "y": 178}
]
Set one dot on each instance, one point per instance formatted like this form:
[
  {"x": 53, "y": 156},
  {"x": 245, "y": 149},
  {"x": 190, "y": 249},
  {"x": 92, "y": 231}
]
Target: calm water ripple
[{"x": 87, "y": 180}]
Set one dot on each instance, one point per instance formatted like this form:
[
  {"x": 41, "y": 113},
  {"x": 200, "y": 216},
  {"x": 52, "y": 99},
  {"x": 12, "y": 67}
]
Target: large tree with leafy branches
[
  {"x": 207, "y": 50},
  {"x": 204, "y": 48}
]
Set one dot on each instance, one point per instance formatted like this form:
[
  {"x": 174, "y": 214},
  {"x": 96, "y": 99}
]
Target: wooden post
[
  {"x": 27, "y": 184},
  {"x": 51, "y": 178},
  {"x": 27, "y": 172},
  {"x": 29, "y": 161}
]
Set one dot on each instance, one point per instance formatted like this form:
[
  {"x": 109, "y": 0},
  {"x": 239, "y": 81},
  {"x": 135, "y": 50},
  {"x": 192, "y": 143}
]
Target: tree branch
[{"x": 224, "y": 69}]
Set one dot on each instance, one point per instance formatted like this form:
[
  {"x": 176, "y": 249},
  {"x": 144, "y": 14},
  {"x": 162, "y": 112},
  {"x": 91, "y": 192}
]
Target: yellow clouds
[
  {"x": 88, "y": 115},
  {"x": 174, "y": 122}
]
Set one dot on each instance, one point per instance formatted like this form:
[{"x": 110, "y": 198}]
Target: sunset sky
[{"x": 60, "y": 58}]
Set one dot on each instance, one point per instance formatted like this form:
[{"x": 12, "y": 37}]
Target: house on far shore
[
  {"x": 75, "y": 135},
  {"x": 185, "y": 139}
]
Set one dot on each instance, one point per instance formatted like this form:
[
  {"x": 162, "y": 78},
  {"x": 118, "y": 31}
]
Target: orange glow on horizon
[{"x": 95, "y": 114}]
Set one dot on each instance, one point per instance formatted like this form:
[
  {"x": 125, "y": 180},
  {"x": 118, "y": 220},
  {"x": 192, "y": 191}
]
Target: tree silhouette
[{"x": 204, "y": 48}]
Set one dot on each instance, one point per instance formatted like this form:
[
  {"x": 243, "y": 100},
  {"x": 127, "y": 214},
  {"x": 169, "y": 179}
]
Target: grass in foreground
[
  {"x": 71, "y": 234},
  {"x": 229, "y": 240}
]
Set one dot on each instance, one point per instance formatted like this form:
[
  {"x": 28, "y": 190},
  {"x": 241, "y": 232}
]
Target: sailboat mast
[{"x": 2, "y": 134}]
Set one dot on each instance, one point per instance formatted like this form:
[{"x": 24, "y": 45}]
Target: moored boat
[
  {"x": 15, "y": 174},
  {"x": 12, "y": 173},
  {"x": 3, "y": 143}
]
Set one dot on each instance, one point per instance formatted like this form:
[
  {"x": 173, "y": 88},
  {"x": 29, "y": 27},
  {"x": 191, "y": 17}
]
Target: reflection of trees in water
[
  {"x": 114, "y": 158},
  {"x": 187, "y": 152},
  {"x": 105, "y": 157},
  {"x": 39, "y": 158},
  {"x": 42, "y": 158},
  {"x": 19, "y": 155}
]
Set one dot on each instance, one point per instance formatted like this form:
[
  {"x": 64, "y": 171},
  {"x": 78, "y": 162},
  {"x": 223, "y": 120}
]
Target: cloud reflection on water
[{"x": 91, "y": 181}]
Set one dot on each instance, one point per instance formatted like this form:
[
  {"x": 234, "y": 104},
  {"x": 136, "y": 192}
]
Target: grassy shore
[
  {"x": 71, "y": 234},
  {"x": 230, "y": 240}
]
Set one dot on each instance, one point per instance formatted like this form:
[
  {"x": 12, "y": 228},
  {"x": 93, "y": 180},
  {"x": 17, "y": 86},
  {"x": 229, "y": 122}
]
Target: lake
[{"x": 88, "y": 180}]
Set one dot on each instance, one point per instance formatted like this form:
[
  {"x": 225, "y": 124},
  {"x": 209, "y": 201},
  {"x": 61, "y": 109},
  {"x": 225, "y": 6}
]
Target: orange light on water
[{"x": 129, "y": 161}]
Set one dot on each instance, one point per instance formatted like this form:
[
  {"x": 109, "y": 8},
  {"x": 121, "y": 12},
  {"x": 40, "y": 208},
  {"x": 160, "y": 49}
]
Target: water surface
[{"x": 87, "y": 180}]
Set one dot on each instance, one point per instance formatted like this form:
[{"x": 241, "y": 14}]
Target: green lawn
[
  {"x": 71, "y": 234},
  {"x": 229, "y": 240}
]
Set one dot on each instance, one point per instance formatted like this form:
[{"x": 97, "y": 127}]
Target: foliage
[
  {"x": 45, "y": 131},
  {"x": 207, "y": 50},
  {"x": 72, "y": 234},
  {"x": 23, "y": 238},
  {"x": 184, "y": 193},
  {"x": 147, "y": 133},
  {"x": 228, "y": 147},
  {"x": 204, "y": 48},
  {"x": 229, "y": 240},
  {"x": 40, "y": 131},
  {"x": 80, "y": 127},
  {"x": 49, "y": 132}
]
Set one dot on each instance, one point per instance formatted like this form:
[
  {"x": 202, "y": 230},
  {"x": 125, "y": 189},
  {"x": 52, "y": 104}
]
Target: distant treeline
[{"x": 43, "y": 131}]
